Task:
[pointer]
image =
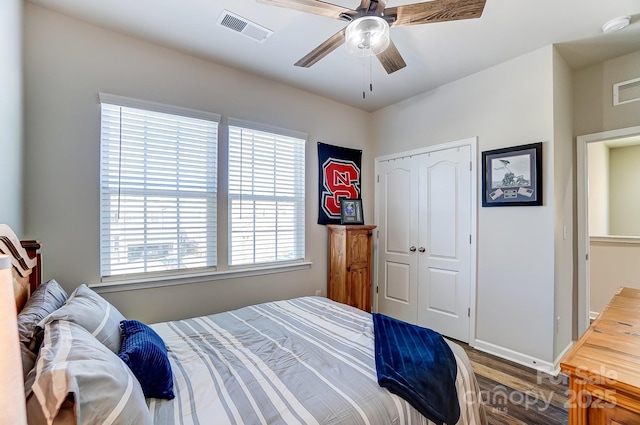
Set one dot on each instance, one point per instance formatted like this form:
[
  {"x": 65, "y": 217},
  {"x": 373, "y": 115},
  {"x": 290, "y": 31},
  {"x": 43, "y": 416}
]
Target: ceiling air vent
[
  {"x": 244, "y": 26},
  {"x": 626, "y": 91}
]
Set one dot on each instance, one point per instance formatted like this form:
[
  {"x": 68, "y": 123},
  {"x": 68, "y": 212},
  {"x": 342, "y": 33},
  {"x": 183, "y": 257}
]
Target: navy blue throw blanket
[{"x": 417, "y": 364}]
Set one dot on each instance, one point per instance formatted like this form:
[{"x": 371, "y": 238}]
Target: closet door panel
[
  {"x": 398, "y": 285},
  {"x": 444, "y": 266},
  {"x": 441, "y": 223},
  {"x": 397, "y": 260}
]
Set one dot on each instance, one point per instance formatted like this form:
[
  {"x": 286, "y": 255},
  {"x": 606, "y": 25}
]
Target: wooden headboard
[{"x": 26, "y": 262}]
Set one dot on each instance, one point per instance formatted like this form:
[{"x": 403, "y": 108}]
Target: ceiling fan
[{"x": 368, "y": 30}]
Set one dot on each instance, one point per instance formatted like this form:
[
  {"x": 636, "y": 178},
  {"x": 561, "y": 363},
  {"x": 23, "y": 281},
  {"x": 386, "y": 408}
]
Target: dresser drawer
[{"x": 599, "y": 414}]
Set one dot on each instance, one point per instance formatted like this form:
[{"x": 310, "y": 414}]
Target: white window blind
[
  {"x": 266, "y": 194},
  {"x": 158, "y": 183}
]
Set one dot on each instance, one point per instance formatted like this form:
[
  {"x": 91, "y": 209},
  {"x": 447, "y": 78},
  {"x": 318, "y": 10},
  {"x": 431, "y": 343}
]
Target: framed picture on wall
[
  {"x": 351, "y": 211},
  {"x": 512, "y": 176}
]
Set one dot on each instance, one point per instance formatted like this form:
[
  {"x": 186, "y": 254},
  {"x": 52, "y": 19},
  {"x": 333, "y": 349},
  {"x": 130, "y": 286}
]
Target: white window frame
[
  {"x": 297, "y": 197},
  {"x": 105, "y": 238}
]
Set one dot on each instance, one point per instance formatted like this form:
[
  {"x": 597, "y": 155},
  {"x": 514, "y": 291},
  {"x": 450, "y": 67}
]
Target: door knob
[
  {"x": 412, "y": 249},
  {"x": 421, "y": 249}
]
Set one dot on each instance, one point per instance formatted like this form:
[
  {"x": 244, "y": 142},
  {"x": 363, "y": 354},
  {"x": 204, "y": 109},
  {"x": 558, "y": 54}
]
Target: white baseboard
[
  {"x": 593, "y": 315},
  {"x": 523, "y": 359},
  {"x": 560, "y": 356}
]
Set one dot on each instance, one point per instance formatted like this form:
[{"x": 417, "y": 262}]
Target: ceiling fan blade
[
  {"x": 391, "y": 59},
  {"x": 315, "y": 7},
  {"x": 435, "y": 11},
  {"x": 322, "y": 50}
]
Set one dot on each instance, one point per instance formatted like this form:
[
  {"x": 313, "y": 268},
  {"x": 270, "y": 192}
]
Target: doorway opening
[{"x": 585, "y": 145}]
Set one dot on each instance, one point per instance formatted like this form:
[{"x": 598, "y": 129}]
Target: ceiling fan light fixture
[{"x": 366, "y": 36}]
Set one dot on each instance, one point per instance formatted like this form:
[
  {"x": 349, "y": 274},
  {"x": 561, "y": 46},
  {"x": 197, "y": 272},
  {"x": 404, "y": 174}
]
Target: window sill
[{"x": 185, "y": 279}]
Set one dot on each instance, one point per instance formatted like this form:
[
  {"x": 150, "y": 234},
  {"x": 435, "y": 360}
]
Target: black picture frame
[
  {"x": 351, "y": 211},
  {"x": 512, "y": 177}
]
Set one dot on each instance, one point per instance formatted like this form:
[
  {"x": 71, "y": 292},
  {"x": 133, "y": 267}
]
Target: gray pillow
[
  {"x": 73, "y": 365},
  {"x": 45, "y": 300},
  {"x": 89, "y": 310}
]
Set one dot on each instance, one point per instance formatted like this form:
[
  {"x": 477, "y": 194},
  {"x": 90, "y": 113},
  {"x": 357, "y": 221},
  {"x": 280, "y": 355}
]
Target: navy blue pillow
[{"x": 146, "y": 355}]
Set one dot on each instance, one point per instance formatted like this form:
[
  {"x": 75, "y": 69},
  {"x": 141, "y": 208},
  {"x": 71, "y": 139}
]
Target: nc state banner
[{"x": 339, "y": 177}]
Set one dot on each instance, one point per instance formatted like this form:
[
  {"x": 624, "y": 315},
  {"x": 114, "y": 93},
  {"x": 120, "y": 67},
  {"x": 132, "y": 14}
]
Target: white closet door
[
  {"x": 444, "y": 265},
  {"x": 397, "y": 208},
  {"x": 424, "y": 212}
]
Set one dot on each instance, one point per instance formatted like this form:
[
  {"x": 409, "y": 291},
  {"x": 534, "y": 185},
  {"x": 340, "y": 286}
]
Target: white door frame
[
  {"x": 583, "y": 216},
  {"x": 472, "y": 142}
]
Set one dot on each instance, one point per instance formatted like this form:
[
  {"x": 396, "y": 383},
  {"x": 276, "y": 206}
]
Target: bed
[{"x": 306, "y": 360}]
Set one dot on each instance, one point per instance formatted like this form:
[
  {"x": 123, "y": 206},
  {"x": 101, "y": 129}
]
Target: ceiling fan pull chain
[
  {"x": 370, "y": 74},
  {"x": 364, "y": 78},
  {"x": 364, "y": 96}
]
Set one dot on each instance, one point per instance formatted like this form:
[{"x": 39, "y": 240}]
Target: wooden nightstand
[{"x": 349, "y": 265}]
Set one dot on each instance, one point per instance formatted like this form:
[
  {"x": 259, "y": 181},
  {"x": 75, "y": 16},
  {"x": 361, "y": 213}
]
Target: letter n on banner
[{"x": 339, "y": 177}]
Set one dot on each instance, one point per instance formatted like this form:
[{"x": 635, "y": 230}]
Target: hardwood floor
[{"x": 517, "y": 395}]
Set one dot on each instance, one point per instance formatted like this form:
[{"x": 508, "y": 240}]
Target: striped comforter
[{"x": 303, "y": 361}]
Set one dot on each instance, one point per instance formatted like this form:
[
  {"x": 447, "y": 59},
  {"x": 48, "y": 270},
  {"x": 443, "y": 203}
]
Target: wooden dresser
[
  {"x": 349, "y": 265},
  {"x": 604, "y": 366}
]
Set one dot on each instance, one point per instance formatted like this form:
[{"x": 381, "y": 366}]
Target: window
[
  {"x": 266, "y": 194},
  {"x": 158, "y": 182}
]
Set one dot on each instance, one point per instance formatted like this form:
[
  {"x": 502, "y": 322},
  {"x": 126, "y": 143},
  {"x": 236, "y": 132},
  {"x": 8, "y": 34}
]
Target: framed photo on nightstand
[{"x": 351, "y": 211}]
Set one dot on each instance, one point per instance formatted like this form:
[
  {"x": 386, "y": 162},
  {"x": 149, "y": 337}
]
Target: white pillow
[
  {"x": 89, "y": 310},
  {"x": 72, "y": 362}
]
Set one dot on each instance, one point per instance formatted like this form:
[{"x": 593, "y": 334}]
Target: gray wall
[
  {"x": 593, "y": 96},
  {"x": 565, "y": 273},
  {"x": 624, "y": 202},
  {"x": 614, "y": 263},
  {"x": 614, "y": 174},
  {"x": 67, "y": 63},
  {"x": 11, "y": 114}
]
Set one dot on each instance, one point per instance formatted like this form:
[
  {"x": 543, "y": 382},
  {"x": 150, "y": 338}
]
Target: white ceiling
[{"x": 435, "y": 53}]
